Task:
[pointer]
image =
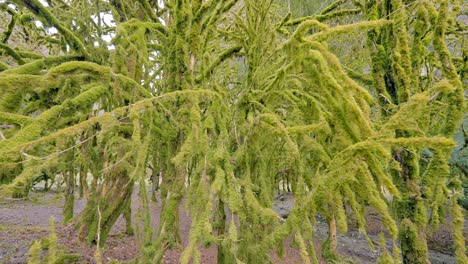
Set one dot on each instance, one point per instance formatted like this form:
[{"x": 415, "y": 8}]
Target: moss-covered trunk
[
  {"x": 411, "y": 210},
  {"x": 108, "y": 204},
  {"x": 155, "y": 176},
  {"x": 172, "y": 192},
  {"x": 83, "y": 189},
  {"x": 392, "y": 76},
  {"x": 69, "y": 196},
  {"x": 224, "y": 251},
  {"x": 330, "y": 244},
  {"x": 413, "y": 243}
]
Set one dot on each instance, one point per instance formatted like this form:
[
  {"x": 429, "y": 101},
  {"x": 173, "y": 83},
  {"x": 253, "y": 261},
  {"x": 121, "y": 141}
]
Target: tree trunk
[
  {"x": 413, "y": 243},
  {"x": 329, "y": 246},
  {"x": 168, "y": 231},
  {"x": 69, "y": 196},
  {"x": 114, "y": 199},
  {"x": 154, "y": 187},
  {"x": 172, "y": 191},
  {"x": 224, "y": 254},
  {"x": 411, "y": 211},
  {"x": 83, "y": 183},
  {"x": 332, "y": 236},
  {"x": 127, "y": 214},
  {"x": 20, "y": 190}
]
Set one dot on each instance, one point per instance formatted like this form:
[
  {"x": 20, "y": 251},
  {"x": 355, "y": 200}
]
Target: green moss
[
  {"x": 414, "y": 249},
  {"x": 33, "y": 67},
  {"x": 227, "y": 110},
  {"x": 3, "y": 67},
  {"x": 46, "y": 16},
  {"x": 52, "y": 249},
  {"x": 13, "y": 53}
]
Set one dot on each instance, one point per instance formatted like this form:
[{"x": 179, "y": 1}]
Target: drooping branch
[{"x": 28, "y": 140}]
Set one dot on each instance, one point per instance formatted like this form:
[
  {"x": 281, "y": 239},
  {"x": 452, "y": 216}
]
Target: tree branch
[
  {"x": 149, "y": 10},
  {"x": 44, "y": 14},
  {"x": 11, "y": 26},
  {"x": 323, "y": 17},
  {"x": 12, "y": 53},
  {"x": 223, "y": 56},
  {"x": 3, "y": 66},
  {"x": 16, "y": 119},
  {"x": 323, "y": 35},
  {"x": 332, "y": 7}
]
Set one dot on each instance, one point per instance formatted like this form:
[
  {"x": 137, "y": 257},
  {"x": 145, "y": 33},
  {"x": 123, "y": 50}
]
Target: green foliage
[
  {"x": 35, "y": 253},
  {"x": 234, "y": 104},
  {"x": 55, "y": 255},
  {"x": 403, "y": 64},
  {"x": 385, "y": 257}
]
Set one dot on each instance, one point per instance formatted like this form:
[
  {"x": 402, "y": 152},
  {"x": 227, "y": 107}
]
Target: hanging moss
[{"x": 233, "y": 105}]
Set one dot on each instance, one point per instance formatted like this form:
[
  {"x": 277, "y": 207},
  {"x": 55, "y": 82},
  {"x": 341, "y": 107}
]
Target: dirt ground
[{"x": 26, "y": 220}]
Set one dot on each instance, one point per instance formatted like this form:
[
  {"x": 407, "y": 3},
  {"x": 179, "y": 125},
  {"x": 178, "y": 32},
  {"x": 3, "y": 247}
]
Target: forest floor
[{"x": 23, "y": 221}]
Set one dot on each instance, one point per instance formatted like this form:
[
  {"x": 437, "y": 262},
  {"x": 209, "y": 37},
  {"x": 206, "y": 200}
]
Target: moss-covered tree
[
  {"x": 232, "y": 104},
  {"x": 410, "y": 57}
]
